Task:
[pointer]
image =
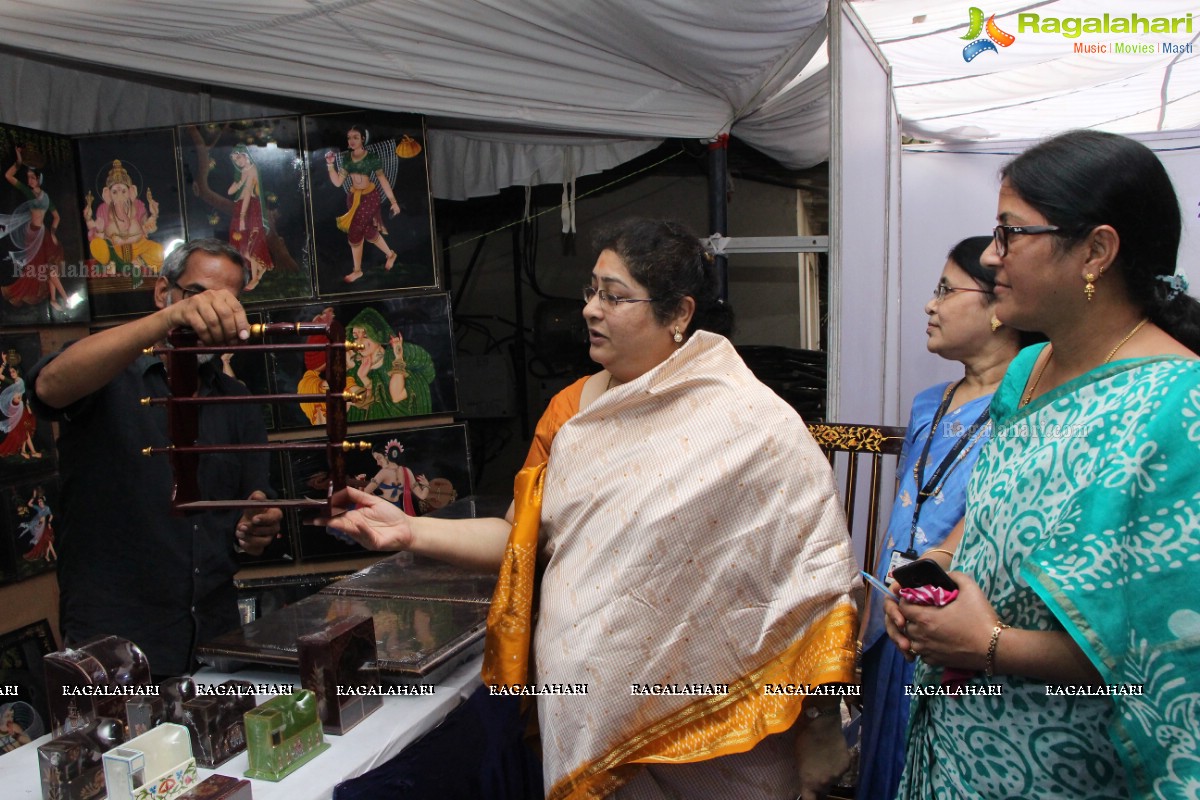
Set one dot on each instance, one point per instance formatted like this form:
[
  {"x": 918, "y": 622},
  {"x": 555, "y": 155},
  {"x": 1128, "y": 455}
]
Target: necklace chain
[
  {"x": 1050, "y": 354},
  {"x": 1128, "y": 336}
]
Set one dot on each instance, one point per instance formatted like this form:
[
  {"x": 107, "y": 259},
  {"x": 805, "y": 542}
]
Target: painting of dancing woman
[
  {"x": 361, "y": 173},
  {"x": 249, "y": 227},
  {"x": 381, "y": 206},
  {"x": 17, "y": 423},
  {"x": 37, "y": 255},
  {"x": 37, "y": 532},
  {"x": 395, "y": 482}
]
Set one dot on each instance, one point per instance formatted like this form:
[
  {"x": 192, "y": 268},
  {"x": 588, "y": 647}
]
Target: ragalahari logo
[{"x": 995, "y": 36}]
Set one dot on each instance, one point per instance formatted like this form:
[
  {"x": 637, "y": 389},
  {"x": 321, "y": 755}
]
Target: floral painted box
[{"x": 158, "y": 765}]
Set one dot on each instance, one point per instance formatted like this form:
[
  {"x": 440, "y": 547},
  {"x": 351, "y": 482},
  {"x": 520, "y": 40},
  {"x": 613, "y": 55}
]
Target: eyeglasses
[
  {"x": 1000, "y": 234},
  {"x": 188, "y": 291},
  {"x": 942, "y": 289},
  {"x": 609, "y": 299}
]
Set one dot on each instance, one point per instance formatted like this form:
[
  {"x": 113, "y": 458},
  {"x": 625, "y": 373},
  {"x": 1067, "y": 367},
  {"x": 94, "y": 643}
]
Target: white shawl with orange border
[{"x": 694, "y": 536}]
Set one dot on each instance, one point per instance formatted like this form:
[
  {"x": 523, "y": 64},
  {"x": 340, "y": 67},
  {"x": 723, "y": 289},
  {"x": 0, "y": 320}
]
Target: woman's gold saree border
[
  {"x": 720, "y": 725},
  {"x": 510, "y": 616}
]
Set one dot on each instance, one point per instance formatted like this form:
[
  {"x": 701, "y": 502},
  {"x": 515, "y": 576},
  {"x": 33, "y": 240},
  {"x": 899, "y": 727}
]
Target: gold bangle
[
  {"x": 939, "y": 550},
  {"x": 990, "y": 663}
]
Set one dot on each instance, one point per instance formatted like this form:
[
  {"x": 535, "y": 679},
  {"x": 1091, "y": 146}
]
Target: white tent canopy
[
  {"x": 626, "y": 73},
  {"x": 1037, "y": 84}
]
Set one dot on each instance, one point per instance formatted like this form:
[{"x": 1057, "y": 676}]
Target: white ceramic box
[{"x": 158, "y": 765}]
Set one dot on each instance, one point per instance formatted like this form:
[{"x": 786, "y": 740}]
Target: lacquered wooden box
[
  {"x": 84, "y": 683},
  {"x": 72, "y": 766},
  {"x": 219, "y": 787},
  {"x": 216, "y": 722},
  {"x": 338, "y": 664}
]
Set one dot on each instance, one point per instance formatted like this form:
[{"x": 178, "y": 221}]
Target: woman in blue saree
[
  {"x": 1081, "y": 546},
  {"x": 947, "y": 427}
]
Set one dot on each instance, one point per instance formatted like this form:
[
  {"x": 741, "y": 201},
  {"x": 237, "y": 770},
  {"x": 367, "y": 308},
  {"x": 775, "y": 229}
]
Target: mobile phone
[{"x": 923, "y": 572}]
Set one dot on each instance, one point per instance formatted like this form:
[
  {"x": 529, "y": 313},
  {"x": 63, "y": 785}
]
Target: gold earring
[
  {"x": 677, "y": 336},
  {"x": 1089, "y": 288},
  {"x": 996, "y": 323}
]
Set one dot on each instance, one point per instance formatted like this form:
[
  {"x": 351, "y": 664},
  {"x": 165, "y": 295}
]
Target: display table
[{"x": 400, "y": 722}]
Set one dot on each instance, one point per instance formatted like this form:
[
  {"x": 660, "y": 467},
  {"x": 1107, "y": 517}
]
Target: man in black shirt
[{"x": 127, "y": 566}]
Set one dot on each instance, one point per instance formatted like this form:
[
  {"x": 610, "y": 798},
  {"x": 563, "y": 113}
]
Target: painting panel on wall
[
  {"x": 23, "y": 716},
  {"x": 419, "y": 470},
  {"x": 246, "y": 187},
  {"x": 26, "y": 443},
  {"x": 28, "y": 524},
  {"x": 370, "y": 202},
  {"x": 404, "y": 369},
  {"x": 131, "y": 210},
  {"x": 42, "y": 276}
]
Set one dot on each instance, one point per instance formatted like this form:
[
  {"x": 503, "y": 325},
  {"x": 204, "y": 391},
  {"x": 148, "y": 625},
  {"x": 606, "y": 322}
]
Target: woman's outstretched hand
[{"x": 369, "y": 520}]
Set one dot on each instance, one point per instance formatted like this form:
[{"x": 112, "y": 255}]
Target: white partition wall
[
  {"x": 864, "y": 244},
  {"x": 863, "y": 283},
  {"x": 945, "y": 198},
  {"x": 949, "y": 192}
]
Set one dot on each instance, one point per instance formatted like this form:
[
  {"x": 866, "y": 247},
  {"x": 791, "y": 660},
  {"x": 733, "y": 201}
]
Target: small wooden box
[
  {"x": 219, "y": 787},
  {"x": 338, "y": 665},
  {"x": 76, "y": 678},
  {"x": 72, "y": 766},
  {"x": 174, "y": 692},
  {"x": 215, "y": 722}
]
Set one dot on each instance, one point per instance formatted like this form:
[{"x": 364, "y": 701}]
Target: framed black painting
[
  {"x": 131, "y": 212},
  {"x": 43, "y": 280},
  {"x": 27, "y": 525},
  {"x": 404, "y": 369},
  {"x": 246, "y": 186},
  {"x": 418, "y": 469},
  {"x": 26, "y": 442},
  {"x": 370, "y": 202}
]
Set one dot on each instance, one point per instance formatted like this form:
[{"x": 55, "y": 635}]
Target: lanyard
[{"x": 942, "y": 472}]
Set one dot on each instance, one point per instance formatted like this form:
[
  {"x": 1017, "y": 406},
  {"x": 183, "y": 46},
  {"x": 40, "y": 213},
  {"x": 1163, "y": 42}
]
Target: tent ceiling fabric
[
  {"x": 1038, "y": 85},
  {"x": 615, "y": 69}
]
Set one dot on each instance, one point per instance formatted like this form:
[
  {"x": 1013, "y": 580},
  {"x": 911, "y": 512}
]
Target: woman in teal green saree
[{"x": 1081, "y": 546}]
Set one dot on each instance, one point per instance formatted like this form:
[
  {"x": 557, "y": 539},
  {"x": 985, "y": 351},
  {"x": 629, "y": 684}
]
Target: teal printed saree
[{"x": 1083, "y": 515}]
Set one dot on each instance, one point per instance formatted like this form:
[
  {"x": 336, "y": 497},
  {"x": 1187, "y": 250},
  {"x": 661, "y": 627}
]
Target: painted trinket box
[
  {"x": 72, "y": 766},
  {"x": 158, "y": 765}
]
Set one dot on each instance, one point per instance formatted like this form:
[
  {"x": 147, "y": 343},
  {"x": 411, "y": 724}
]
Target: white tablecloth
[{"x": 400, "y": 722}]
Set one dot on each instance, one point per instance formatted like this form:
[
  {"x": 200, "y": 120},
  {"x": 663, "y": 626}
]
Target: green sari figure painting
[{"x": 389, "y": 376}]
